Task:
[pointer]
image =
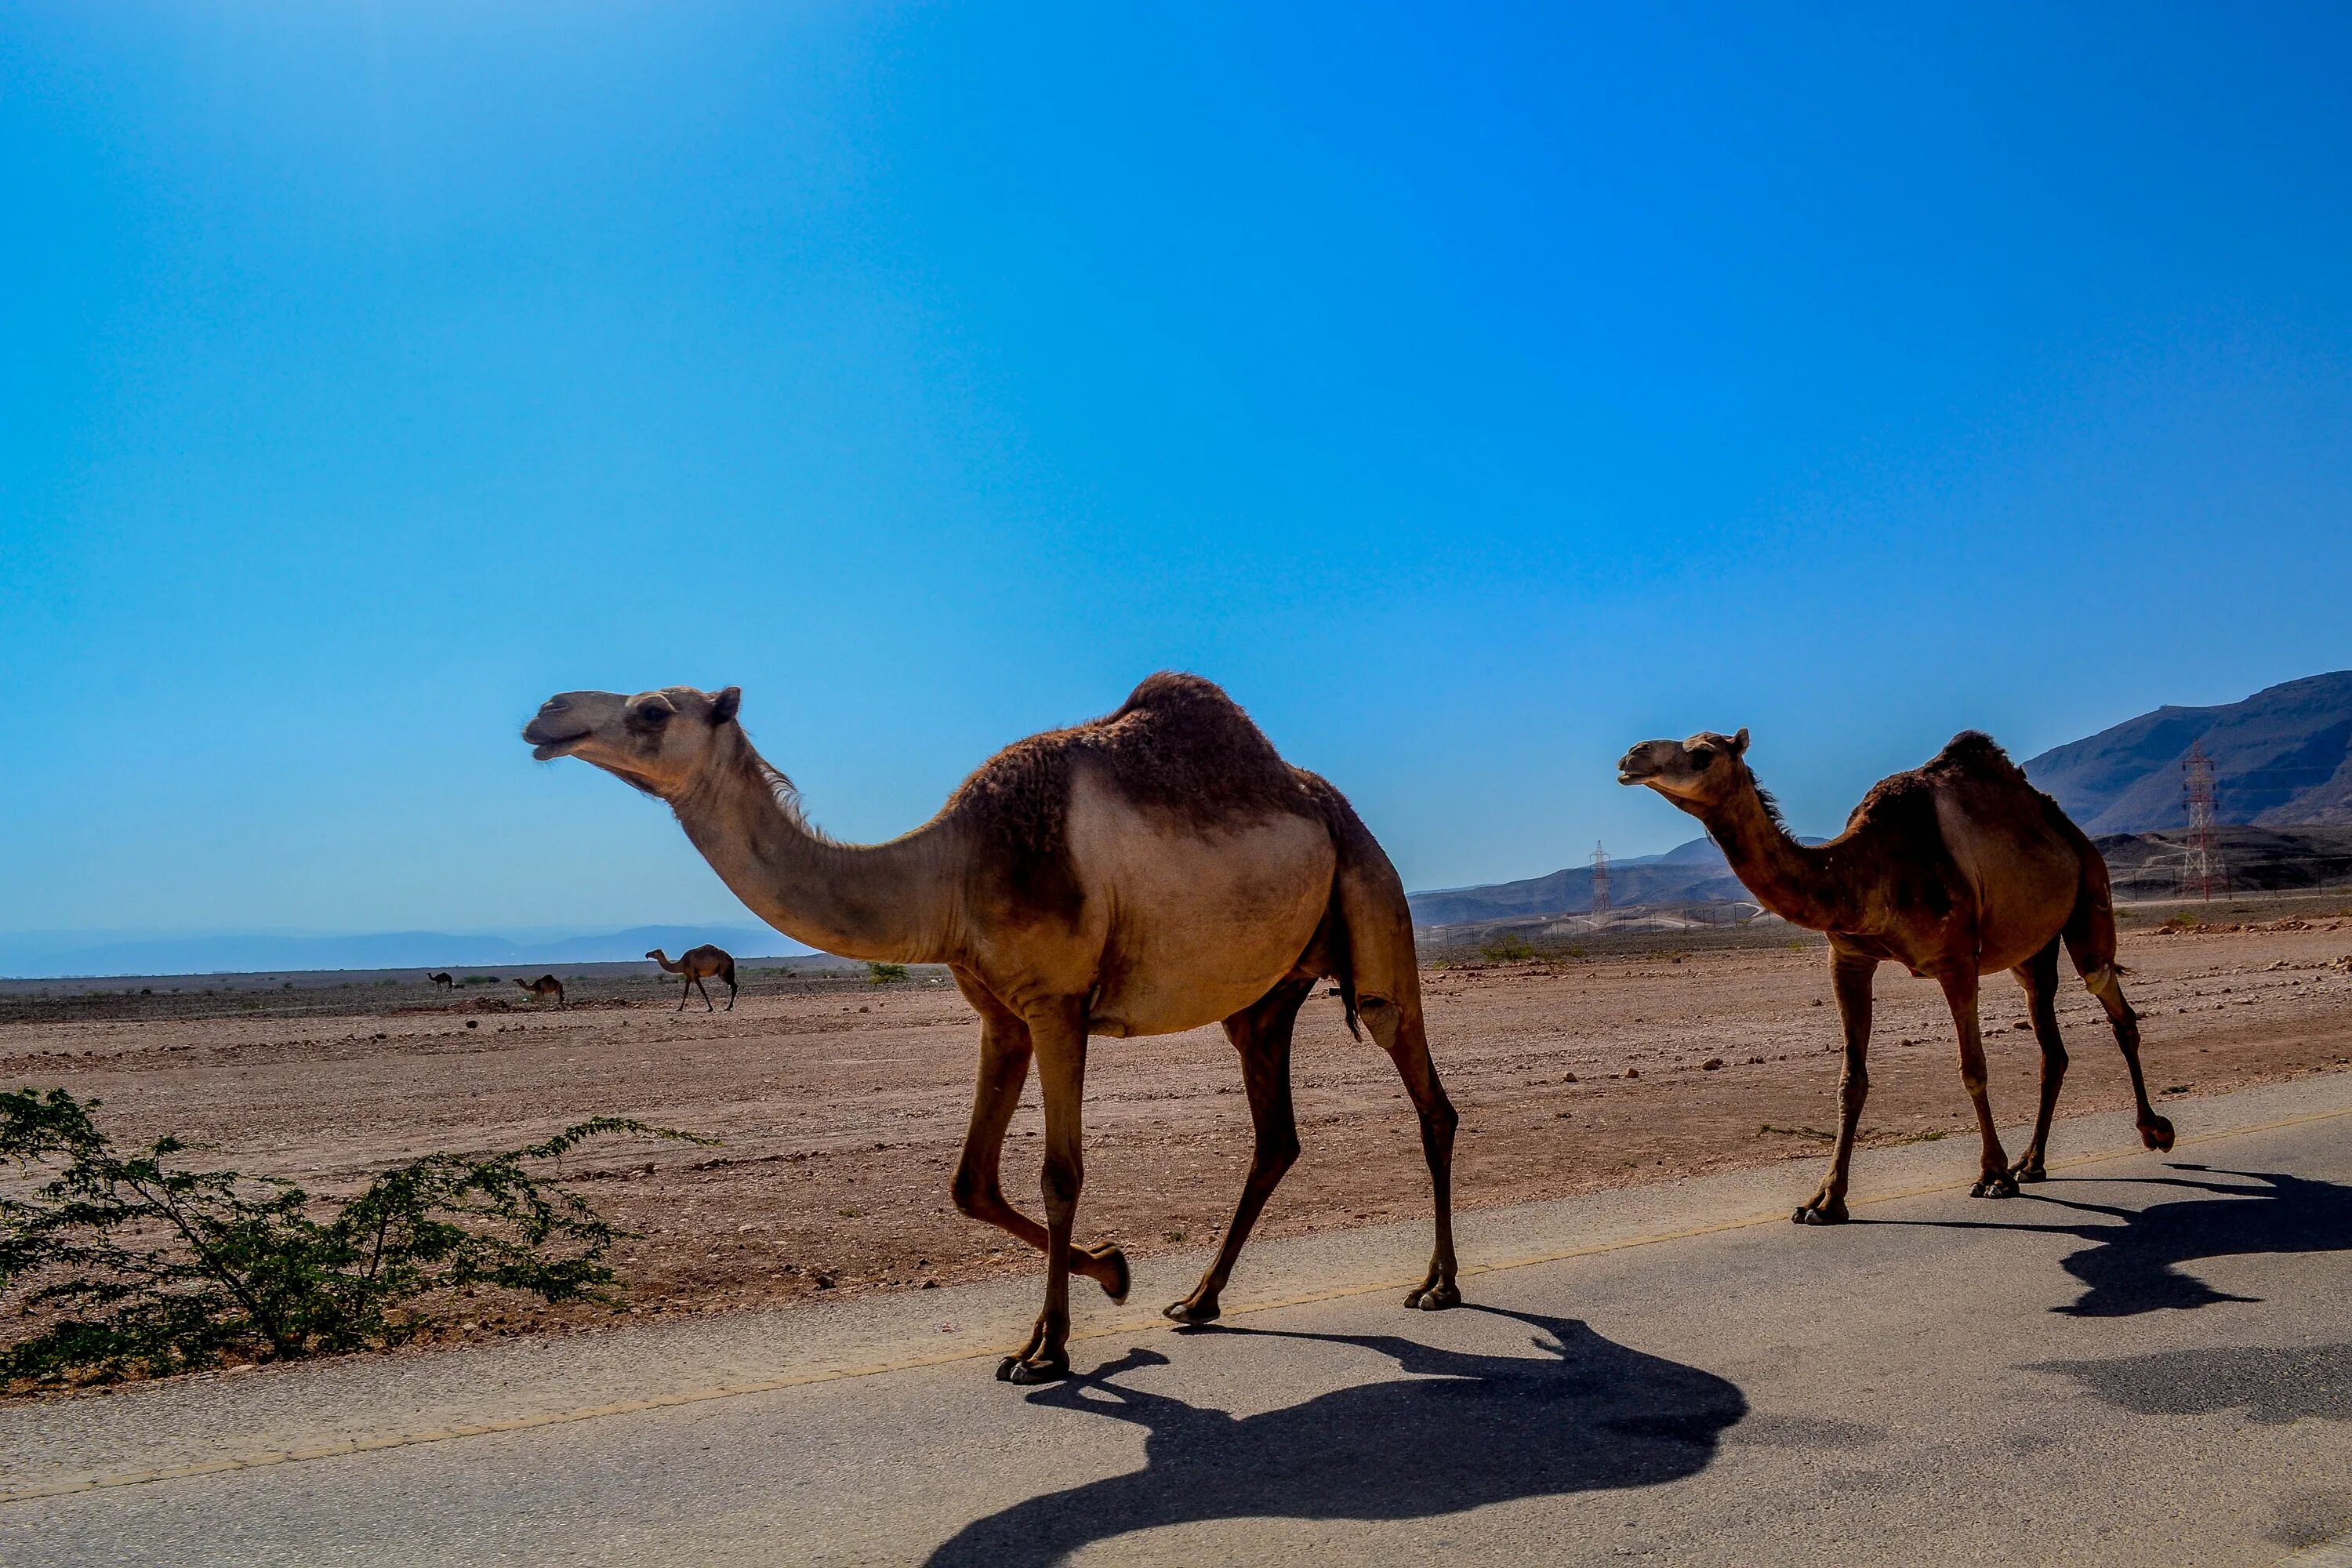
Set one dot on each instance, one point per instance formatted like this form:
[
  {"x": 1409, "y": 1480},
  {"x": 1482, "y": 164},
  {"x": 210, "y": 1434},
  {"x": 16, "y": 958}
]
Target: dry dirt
[{"x": 840, "y": 1106}]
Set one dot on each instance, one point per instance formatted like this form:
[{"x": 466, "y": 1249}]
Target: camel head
[
  {"x": 1697, "y": 775},
  {"x": 659, "y": 741}
]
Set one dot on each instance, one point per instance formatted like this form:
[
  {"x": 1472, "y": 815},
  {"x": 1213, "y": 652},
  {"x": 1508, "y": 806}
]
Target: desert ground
[{"x": 840, "y": 1104}]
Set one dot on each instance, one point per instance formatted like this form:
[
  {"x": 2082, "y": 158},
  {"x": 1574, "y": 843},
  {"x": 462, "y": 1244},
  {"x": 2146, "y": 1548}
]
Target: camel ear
[
  {"x": 723, "y": 706},
  {"x": 1739, "y": 743}
]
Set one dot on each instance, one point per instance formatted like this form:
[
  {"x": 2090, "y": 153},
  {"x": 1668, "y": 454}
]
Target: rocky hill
[{"x": 2282, "y": 758}]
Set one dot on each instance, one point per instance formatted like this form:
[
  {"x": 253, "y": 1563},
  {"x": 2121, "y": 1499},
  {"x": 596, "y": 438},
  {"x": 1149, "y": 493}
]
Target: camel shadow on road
[
  {"x": 1457, "y": 1432},
  {"x": 2135, "y": 1265}
]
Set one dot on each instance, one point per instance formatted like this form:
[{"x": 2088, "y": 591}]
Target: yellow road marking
[{"x": 64, "y": 1485}]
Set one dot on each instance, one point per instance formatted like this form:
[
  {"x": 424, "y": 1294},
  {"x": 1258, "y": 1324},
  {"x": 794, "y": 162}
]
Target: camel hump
[
  {"x": 1976, "y": 752},
  {"x": 1171, "y": 690},
  {"x": 1178, "y": 744}
]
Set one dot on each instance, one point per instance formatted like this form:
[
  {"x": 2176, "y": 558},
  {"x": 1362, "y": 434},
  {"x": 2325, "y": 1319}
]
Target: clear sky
[{"x": 1472, "y": 392}]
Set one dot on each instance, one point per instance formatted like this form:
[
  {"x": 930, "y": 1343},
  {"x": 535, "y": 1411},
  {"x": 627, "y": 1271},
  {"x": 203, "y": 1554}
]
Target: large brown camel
[
  {"x": 543, "y": 987},
  {"x": 1147, "y": 872},
  {"x": 695, "y": 963},
  {"x": 1954, "y": 870}
]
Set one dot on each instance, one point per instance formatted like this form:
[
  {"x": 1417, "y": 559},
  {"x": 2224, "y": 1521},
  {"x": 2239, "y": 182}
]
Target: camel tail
[
  {"x": 1370, "y": 950},
  {"x": 2090, "y": 930}
]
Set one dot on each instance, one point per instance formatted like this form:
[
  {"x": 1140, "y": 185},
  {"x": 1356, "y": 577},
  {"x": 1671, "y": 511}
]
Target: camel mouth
[{"x": 547, "y": 750}]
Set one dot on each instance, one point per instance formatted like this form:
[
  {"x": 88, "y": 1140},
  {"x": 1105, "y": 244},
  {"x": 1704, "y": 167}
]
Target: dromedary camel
[
  {"x": 1953, "y": 870},
  {"x": 1150, "y": 871},
  {"x": 443, "y": 981},
  {"x": 695, "y": 964},
  {"x": 543, "y": 987}
]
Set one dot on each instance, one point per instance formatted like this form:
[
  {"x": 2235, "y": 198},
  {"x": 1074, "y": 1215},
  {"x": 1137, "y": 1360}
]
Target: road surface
[{"x": 2147, "y": 1361}]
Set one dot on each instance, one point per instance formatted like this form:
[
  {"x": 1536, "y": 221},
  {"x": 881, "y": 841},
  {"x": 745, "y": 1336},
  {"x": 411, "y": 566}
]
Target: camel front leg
[
  {"x": 2039, "y": 975},
  {"x": 1057, "y": 1034},
  {"x": 978, "y": 1191},
  {"x": 1994, "y": 1180},
  {"x": 1261, "y": 1034},
  {"x": 1850, "y": 978},
  {"x": 698, "y": 985}
]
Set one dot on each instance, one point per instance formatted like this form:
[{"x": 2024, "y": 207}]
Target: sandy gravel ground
[{"x": 840, "y": 1107}]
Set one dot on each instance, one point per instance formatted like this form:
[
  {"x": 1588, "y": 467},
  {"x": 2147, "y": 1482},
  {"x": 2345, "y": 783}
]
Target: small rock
[
  {"x": 930, "y": 1284},
  {"x": 1633, "y": 1072},
  {"x": 1712, "y": 1064}
]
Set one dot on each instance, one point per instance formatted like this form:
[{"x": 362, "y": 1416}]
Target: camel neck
[
  {"x": 893, "y": 902},
  {"x": 1794, "y": 882}
]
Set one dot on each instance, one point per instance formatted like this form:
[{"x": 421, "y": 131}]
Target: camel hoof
[
  {"x": 1435, "y": 1297},
  {"x": 2157, "y": 1135},
  {"x": 1998, "y": 1186},
  {"x": 1116, "y": 1287},
  {"x": 1188, "y": 1310},
  {"x": 2024, "y": 1173},
  {"x": 1820, "y": 1213},
  {"x": 1016, "y": 1371}
]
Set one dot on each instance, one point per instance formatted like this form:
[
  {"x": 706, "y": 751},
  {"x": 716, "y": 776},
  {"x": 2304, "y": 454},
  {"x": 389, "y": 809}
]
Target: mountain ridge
[{"x": 2282, "y": 758}]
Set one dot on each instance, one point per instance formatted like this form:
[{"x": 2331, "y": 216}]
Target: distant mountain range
[
  {"x": 1692, "y": 873},
  {"x": 2282, "y": 758},
  {"x": 26, "y": 958}
]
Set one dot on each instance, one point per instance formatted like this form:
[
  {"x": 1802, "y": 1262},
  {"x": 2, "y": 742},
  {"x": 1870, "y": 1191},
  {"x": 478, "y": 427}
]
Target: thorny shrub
[{"x": 134, "y": 1262}]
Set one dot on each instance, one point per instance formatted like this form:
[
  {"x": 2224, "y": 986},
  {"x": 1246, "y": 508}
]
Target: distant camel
[
  {"x": 443, "y": 981},
  {"x": 696, "y": 962},
  {"x": 543, "y": 987},
  {"x": 1140, "y": 874},
  {"x": 1954, "y": 870}
]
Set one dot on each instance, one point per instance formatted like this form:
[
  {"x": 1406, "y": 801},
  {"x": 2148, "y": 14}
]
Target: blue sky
[{"x": 1472, "y": 392}]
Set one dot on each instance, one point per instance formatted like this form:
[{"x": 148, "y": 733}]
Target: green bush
[
  {"x": 885, "y": 973},
  {"x": 135, "y": 1263},
  {"x": 1506, "y": 948}
]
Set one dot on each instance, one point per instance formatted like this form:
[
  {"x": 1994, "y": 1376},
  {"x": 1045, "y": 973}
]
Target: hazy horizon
[{"x": 1471, "y": 395}]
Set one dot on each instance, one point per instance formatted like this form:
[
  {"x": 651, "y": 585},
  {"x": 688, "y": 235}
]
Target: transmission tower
[
  {"x": 1600, "y": 878},
  {"x": 2203, "y": 874}
]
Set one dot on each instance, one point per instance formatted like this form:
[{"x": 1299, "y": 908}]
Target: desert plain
[{"x": 839, "y": 1105}]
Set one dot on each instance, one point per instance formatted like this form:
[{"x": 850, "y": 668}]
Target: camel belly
[
  {"x": 1198, "y": 925},
  {"x": 2026, "y": 880}
]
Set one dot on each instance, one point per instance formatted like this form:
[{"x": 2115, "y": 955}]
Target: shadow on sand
[
  {"x": 1457, "y": 1432},
  {"x": 2133, "y": 1266}
]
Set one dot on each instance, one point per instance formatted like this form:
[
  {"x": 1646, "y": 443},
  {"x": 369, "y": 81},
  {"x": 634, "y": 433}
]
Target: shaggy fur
[{"x": 1178, "y": 744}]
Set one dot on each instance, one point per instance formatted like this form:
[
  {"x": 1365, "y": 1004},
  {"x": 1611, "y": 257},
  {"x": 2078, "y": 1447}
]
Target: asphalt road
[{"x": 2147, "y": 1361}]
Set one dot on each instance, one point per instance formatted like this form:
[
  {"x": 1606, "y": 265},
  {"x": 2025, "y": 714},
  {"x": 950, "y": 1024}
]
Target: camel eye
[
  {"x": 1703, "y": 756},
  {"x": 650, "y": 717}
]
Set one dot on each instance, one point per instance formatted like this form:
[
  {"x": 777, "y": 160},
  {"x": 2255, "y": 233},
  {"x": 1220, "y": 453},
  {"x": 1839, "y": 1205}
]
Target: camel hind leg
[
  {"x": 1261, "y": 1033},
  {"x": 1398, "y": 1029},
  {"x": 2090, "y": 939},
  {"x": 1380, "y": 973}
]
